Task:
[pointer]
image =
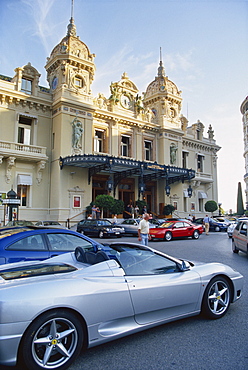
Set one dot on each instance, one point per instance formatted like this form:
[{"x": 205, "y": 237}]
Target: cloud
[{"x": 40, "y": 12}]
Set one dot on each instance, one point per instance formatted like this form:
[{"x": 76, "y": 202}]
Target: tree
[
  {"x": 168, "y": 209},
  {"x": 240, "y": 204},
  {"x": 211, "y": 206},
  {"x": 104, "y": 202},
  {"x": 118, "y": 207}
]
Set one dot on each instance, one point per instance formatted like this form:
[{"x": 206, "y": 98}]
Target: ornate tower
[
  {"x": 164, "y": 99},
  {"x": 70, "y": 67}
]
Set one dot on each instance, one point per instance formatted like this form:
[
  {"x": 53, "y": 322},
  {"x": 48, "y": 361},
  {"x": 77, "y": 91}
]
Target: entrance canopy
[{"x": 120, "y": 168}]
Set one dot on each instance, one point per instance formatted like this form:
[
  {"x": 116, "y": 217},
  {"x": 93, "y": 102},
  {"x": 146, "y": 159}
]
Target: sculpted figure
[{"x": 77, "y": 131}]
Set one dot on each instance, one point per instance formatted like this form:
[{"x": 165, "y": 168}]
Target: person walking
[
  {"x": 143, "y": 230},
  {"x": 206, "y": 223}
]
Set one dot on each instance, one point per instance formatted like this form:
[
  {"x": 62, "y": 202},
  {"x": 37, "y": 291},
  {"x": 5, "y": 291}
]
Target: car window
[
  {"x": 144, "y": 262},
  {"x": 104, "y": 223},
  {"x": 67, "y": 242},
  {"x": 30, "y": 243},
  {"x": 177, "y": 225},
  {"x": 244, "y": 228},
  {"x": 91, "y": 223}
]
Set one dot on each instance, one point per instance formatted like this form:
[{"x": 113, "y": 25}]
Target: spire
[
  {"x": 71, "y": 28},
  {"x": 161, "y": 71}
]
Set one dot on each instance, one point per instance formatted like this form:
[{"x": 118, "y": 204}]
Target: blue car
[
  {"x": 214, "y": 225},
  {"x": 36, "y": 243}
]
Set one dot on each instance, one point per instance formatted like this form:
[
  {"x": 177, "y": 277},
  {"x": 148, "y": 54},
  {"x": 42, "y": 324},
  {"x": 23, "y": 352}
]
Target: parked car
[
  {"x": 214, "y": 225},
  {"x": 36, "y": 243},
  {"x": 19, "y": 223},
  {"x": 240, "y": 237},
  {"x": 54, "y": 224},
  {"x": 130, "y": 225},
  {"x": 176, "y": 229},
  {"x": 99, "y": 228},
  {"x": 64, "y": 302}
]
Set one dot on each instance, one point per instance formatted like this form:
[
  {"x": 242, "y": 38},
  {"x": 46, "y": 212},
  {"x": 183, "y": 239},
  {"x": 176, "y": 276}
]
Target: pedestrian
[
  {"x": 190, "y": 218},
  {"x": 143, "y": 230},
  {"x": 206, "y": 222},
  {"x": 144, "y": 210},
  {"x": 115, "y": 219},
  {"x": 136, "y": 211},
  {"x": 93, "y": 211},
  {"x": 98, "y": 212}
]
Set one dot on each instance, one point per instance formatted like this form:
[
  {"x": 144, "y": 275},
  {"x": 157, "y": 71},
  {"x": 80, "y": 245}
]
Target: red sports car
[{"x": 176, "y": 229}]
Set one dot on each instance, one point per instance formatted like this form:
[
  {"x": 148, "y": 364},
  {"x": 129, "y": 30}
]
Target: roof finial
[
  {"x": 161, "y": 71},
  {"x": 72, "y": 8},
  {"x": 71, "y": 26}
]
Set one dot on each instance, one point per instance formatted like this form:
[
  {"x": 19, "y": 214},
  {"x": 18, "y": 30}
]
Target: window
[
  {"x": 200, "y": 163},
  {"x": 30, "y": 243},
  {"x": 67, "y": 242},
  {"x": 144, "y": 262},
  {"x": 22, "y": 194},
  {"x": 184, "y": 159},
  {"x": 78, "y": 82},
  {"x": 26, "y": 86},
  {"x": 125, "y": 142},
  {"x": 24, "y": 130},
  {"x": 200, "y": 205},
  {"x": 98, "y": 141},
  {"x": 148, "y": 150}
]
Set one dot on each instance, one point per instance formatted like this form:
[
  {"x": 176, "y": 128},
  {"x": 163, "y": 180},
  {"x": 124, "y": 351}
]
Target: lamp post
[
  {"x": 190, "y": 191},
  {"x": 167, "y": 189}
]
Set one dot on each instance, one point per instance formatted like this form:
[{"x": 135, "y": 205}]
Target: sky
[{"x": 204, "y": 51}]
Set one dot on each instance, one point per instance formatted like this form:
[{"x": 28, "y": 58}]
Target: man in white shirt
[{"x": 143, "y": 230}]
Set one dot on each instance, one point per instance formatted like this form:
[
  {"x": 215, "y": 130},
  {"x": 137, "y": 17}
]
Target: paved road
[{"x": 191, "y": 344}]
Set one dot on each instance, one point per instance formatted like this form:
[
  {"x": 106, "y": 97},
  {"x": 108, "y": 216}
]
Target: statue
[
  {"x": 148, "y": 114},
  {"x": 173, "y": 153},
  {"x": 77, "y": 131},
  {"x": 115, "y": 95},
  {"x": 139, "y": 104}
]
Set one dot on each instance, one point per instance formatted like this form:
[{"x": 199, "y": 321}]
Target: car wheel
[
  {"x": 52, "y": 341},
  {"x": 101, "y": 234},
  {"x": 168, "y": 236},
  {"x": 234, "y": 249},
  {"x": 217, "y": 298},
  {"x": 217, "y": 228},
  {"x": 195, "y": 234}
]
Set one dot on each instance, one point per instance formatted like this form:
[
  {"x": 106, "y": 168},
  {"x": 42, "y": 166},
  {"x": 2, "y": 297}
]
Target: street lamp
[
  {"x": 110, "y": 184},
  {"x": 190, "y": 191},
  {"x": 167, "y": 189}
]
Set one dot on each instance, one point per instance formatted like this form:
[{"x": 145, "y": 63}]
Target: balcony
[{"x": 23, "y": 151}]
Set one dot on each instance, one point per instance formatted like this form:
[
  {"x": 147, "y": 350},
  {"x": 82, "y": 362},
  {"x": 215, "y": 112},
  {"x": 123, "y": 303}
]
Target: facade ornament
[
  {"x": 9, "y": 165},
  {"x": 40, "y": 167},
  {"x": 173, "y": 153},
  {"x": 1, "y": 159},
  {"x": 71, "y": 28},
  {"x": 77, "y": 131},
  {"x": 115, "y": 94},
  {"x": 101, "y": 101},
  {"x": 139, "y": 104},
  {"x": 210, "y": 132},
  {"x": 148, "y": 114}
]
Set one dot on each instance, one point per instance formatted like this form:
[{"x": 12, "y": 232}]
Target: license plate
[{"x": 117, "y": 233}]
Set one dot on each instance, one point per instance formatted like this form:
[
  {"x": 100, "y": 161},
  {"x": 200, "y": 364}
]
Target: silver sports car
[{"x": 50, "y": 309}]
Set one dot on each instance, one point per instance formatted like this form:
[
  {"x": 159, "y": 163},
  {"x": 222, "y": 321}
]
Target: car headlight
[
  {"x": 107, "y": 229},
  {"x": 122, "y": 229}
]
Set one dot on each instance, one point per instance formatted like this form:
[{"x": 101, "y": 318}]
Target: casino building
[{"x": 61, "y": 147}]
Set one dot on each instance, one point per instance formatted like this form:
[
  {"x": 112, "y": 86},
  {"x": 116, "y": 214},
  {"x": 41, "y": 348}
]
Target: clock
[
  {"x": 125, "y": 101},
  {"x": 54, "y": 83}
]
